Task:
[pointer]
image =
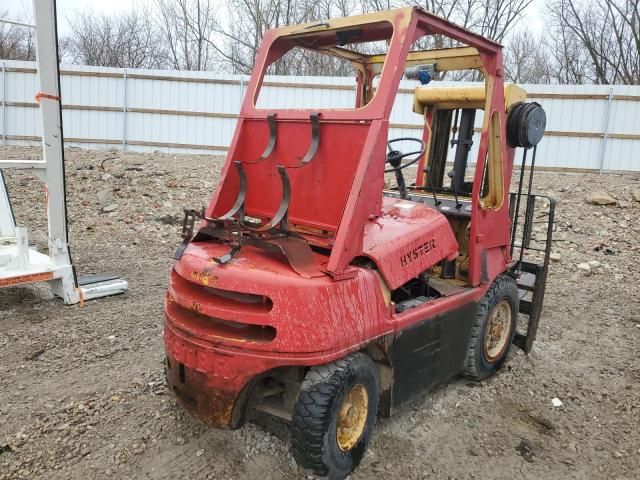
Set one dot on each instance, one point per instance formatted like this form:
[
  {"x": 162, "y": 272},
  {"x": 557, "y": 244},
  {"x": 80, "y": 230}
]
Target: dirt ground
[{"x": 82, "y": 390}]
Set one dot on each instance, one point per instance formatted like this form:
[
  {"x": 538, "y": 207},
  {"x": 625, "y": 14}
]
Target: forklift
[{"x": 310, "y": 291}]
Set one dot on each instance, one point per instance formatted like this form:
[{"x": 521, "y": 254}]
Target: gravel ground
[{"x": 82, "y": 391}]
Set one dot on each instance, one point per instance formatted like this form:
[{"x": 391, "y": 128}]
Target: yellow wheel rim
[
  {"x": 496, "y": 335},
  {"x": 352, "y": 417}
]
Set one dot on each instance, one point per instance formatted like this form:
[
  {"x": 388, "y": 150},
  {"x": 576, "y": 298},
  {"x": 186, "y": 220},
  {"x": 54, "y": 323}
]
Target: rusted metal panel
[{"x": 212, "y": 405}]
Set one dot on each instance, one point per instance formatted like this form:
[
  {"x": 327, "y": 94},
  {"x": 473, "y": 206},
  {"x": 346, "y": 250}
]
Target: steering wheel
[{"x": 394, "y": 157}]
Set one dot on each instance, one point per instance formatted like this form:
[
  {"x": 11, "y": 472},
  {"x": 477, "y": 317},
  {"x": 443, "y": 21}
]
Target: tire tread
[
  {"x": 503, "y": 286},
  {"x": 312, "y": 412}
]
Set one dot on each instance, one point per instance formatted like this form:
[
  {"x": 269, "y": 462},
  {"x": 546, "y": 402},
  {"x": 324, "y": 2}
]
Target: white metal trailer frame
[{"x": 20, "y": 264}]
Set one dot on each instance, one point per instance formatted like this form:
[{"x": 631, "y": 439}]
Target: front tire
[
  {"x": 493, "y": 329},
  {"x": 334, "y": 416}
]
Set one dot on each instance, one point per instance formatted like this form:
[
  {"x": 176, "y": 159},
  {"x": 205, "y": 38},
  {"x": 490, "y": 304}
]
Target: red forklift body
[{"x": 300, "y": 258}]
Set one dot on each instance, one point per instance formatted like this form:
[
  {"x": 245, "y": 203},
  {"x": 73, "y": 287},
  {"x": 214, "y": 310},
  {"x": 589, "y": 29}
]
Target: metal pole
[
  {"x": 48, "y": 62},
  {"x": 517, "y": 210},
  {"x": 605, "y": 129},
  {"x": 4, "y": 103},
  {"x": 52, "y": 133},
  {"x": 463, "y": 147},
  {"x": 124, "y": 112},
  {"x": 529, "y": 210},
  {"x": 15, "y": 22}
]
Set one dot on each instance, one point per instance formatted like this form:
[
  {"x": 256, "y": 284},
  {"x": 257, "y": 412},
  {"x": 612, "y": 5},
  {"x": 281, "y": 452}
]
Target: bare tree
[
  {"x": 591, "y": 41},
  {"x": 496, "y": 18},
  {"x": 569, "y": 63},
  {"x": 493, "y": 19},
  {"x": 305, "y": 62},
  {"x": 188, "y": 27},
  {"x": 248, "y": 20},
  {"x": 129, "y": 40},
  {"x": 378, "y": 5},
  {"x": 16, "y": 42},
  {"x": 526, "y": 58},
  {"x": 596, "y": 40}
]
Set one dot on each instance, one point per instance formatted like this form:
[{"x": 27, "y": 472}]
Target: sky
[
  {"x": 69, "y": 6},
  {"x": 24, "y": 8}
]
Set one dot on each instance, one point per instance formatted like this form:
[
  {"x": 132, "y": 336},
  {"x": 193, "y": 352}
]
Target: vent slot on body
[
  {"x": 227, "y": 300},
  {"x": 203, "y": 326}
]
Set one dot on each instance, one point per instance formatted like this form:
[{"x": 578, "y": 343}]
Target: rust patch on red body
[
  {"x": 211, "y": 405},
  {"x": 203, "y": 277}
]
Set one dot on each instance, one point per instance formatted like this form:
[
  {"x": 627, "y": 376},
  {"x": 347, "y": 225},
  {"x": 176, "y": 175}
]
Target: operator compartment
[{"x": 447, "y": 175}]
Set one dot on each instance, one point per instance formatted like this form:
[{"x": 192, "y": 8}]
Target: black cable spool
[{"x": 525, "y": 124}]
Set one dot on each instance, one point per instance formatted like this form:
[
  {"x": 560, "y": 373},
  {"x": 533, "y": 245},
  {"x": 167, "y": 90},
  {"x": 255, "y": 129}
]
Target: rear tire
[
  {"x": 493, "y": 329},
  {"x": 334, "y": 416}
]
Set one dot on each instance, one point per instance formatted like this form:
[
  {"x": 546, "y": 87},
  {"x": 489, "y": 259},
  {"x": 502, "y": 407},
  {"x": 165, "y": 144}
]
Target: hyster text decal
[{"x": 417, "y": 252}]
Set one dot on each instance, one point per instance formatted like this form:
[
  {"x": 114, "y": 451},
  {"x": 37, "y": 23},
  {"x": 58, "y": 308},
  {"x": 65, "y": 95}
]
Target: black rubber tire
[
  {"x": 313, "y": 428},
  {"x": 478, "y": 367}
]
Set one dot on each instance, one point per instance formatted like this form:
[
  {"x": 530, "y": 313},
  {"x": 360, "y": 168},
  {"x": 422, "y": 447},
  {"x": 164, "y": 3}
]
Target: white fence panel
[{"x": 589, "y": 126}]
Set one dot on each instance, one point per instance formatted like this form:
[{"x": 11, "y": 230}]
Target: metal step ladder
[
  {"x": 20, "y": 263},
  {"x": 531, "y": 241}
]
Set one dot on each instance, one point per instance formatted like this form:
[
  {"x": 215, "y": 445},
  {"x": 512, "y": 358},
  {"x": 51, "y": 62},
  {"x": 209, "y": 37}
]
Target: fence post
[
  {"x": 605, "y": 129},
  {"x": 241, "y": 93},
  {"x": 241, "y": 100},
  {"x": 124, "y": 110},
  {"x": 4, "y": 103}
]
